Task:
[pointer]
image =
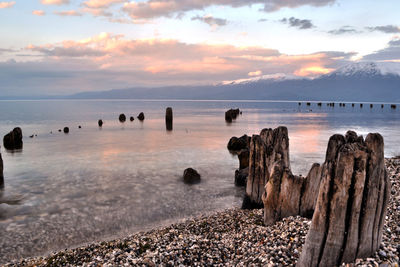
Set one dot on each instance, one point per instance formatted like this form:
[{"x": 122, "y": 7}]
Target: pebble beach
[{"x": 232, "y": 237}]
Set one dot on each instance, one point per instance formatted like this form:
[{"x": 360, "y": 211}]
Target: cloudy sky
[{"x": 68, "y": 46}]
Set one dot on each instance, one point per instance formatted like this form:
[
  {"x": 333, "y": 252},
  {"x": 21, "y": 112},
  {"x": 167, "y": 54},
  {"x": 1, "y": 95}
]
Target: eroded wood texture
[{"x": 352, "y": 202}]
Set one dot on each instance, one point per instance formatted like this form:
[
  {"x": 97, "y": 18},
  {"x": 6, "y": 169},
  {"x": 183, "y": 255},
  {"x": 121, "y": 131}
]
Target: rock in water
[
  {"x": 191, "y": 176},
  {"x": 122, "y": 118},
  {"x": 141, "y": 116},
  {"x": 131, "y": 118},
  {"x": 13, "y": 140},
  {"x": 352, "y": 202},
  {"x": 100, "y": 123},
  {"x": 169, "y": 119},
  {"x": 1, "y": 173}
]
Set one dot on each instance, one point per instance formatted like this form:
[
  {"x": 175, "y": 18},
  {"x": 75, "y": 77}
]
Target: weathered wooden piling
[
  {"x": 169, "y": 119},
  {"x": 353, "y": 196}
]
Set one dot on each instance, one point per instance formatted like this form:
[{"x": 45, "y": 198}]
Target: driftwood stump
[
  {"x": 289, "y": 195},
  {"x": 286, "y": 194},
  {"x": 271, "y": 183},
  {"x": 352, "y": 201},
  {"x": 267, "y": 151}
]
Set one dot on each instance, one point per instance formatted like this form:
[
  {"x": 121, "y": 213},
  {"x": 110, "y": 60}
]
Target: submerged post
[{"x": 169, "y": 119}]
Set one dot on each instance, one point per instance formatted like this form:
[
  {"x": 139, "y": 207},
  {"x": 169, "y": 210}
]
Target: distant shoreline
[{"x": 195, "y": 100}]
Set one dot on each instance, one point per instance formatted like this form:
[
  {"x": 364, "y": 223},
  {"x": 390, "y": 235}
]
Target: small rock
[
  {"x": 13, "y": 140},
  {"x": 191, "y": 176},
  {"x": 66, "y": 130},
  {"x": 382, "y": 254}
]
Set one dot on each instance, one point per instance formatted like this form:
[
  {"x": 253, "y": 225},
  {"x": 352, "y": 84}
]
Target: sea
[{"x": 66, "y": 190}]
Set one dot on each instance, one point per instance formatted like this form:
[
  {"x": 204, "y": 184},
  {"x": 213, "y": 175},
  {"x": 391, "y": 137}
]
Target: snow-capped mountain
[
  {"x": 365, "y": 69},
  {"x": 265, "y": 78}
]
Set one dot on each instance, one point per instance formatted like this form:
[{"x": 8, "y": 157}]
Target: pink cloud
[
  {"x": 54, "y": 2},
  {"x": 101, "y": 3},
  {"x": 156, "y": 62},
  {"x": 255, "y": 73},
  {"x": 7, "y": 4},
  {"x": 38, "y": 12}
]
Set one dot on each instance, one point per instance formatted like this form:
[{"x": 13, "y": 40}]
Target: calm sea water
[{"x": 94, "y": 184}]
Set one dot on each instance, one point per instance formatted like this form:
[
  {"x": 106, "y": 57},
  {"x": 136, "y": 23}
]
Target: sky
[{"x": 53, "y": 47}]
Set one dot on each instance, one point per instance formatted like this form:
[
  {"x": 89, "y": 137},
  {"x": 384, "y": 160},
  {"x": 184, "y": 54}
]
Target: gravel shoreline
[{"x": 233, "y": 237}]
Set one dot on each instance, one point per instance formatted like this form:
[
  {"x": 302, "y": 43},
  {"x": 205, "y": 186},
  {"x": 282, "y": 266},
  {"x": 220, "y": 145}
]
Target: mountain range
[{"x": 358, "y": 82}]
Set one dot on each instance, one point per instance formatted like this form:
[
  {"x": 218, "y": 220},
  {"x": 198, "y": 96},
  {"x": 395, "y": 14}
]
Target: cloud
[
  {"x": 273, "y": 5},
  {"x": 344, "y": 30},
  {"x": 99, "y": 8},
  {"x": 68, "y": 13},
  {"x": 255, "y": 73},
  {"x": 385, "y": 29},
  {"x": 109, "y": 61},
  {"x": 389, "y": 53},
  {"x": 210, "y": 20},
  {"x": 302, "y": 24},
  {"x": 38, "y": 12},
  {"x": 97, "y": 12},
  {"x": 312, "y": 71},
  {"x": 54, "y": 2},
  {"x": 7, "y": 4},
  {"x": 101, "y": 3},
  {"x": 167, "y": 8}
]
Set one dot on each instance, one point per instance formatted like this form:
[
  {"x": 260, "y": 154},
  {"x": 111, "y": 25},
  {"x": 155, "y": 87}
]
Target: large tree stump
[
  {"x": 351, "y": 207},
  {"x": 271, "y": 184}
]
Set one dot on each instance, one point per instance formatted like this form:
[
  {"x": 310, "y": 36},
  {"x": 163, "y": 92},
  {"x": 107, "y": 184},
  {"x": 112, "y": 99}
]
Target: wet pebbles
[{"x": 232, "y": 237}]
